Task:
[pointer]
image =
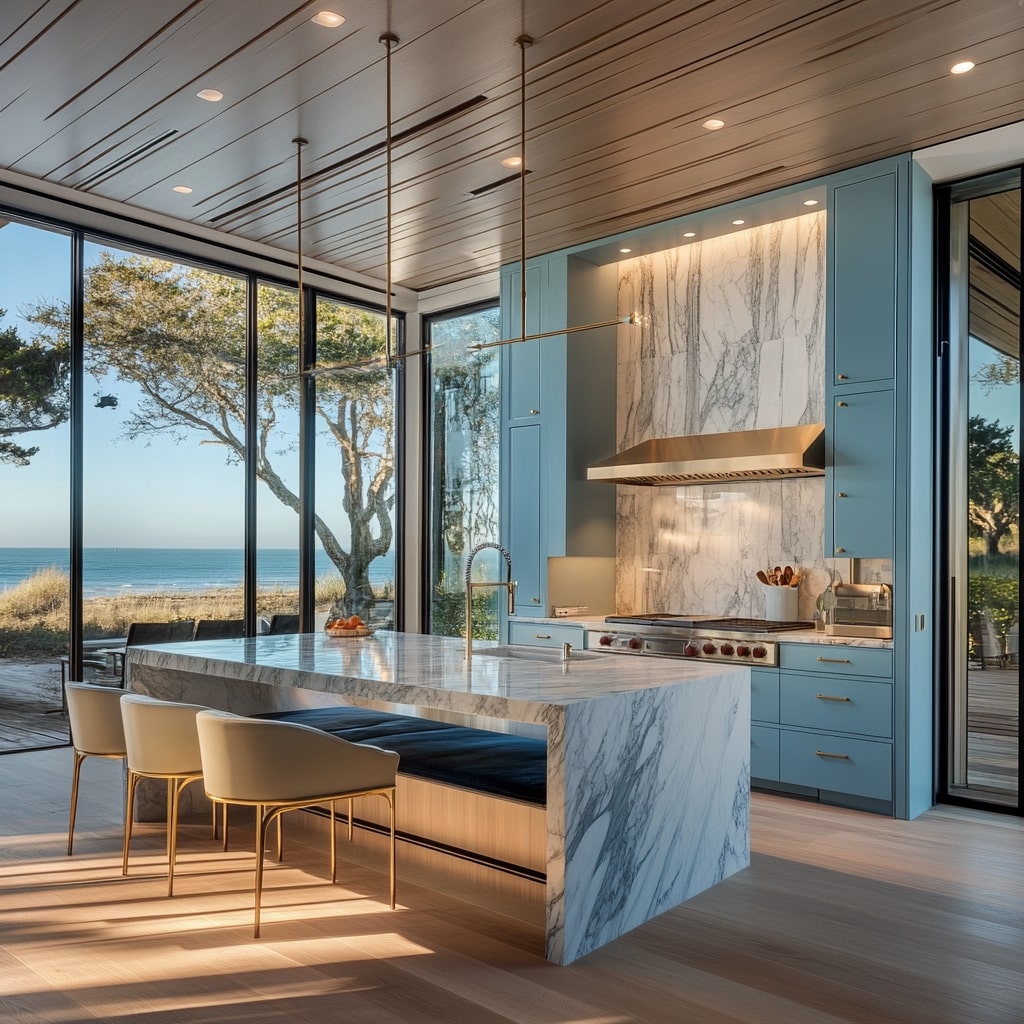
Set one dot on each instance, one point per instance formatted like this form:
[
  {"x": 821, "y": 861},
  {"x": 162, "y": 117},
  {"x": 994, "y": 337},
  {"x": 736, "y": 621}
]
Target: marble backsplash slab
[{"x": 733, "y": 339}]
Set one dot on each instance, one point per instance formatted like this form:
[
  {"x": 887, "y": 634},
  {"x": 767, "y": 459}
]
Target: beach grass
[{"x": 34, "y": 614}]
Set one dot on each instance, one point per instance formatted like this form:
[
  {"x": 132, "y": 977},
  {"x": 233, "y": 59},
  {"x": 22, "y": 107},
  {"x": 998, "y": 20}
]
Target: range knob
[
  {"x": 709, "y": 648},
  {"x": 691, "y": 650},
  {"x": 759, "y": 652},
  {"x": 726, "y": 649},
  {"x": 605, "y": 641},
  {"x": 743, "y": 651},
  {"x": 634, "y": 644}
]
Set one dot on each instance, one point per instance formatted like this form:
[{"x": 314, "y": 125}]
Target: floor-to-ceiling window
[
  {"x": 354, "y": 409},
  {"x": 159, "y": 423},
  {"x": 35, "y": 506},
  {"x": 983, "y": 402},
  {"x": 464, "y": 440}
]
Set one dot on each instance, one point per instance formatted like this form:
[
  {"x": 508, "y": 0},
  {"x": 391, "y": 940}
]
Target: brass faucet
[{"x": 471, "y": 586}]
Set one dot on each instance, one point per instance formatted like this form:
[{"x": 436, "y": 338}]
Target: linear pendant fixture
[{"x": 523, "y": 42}]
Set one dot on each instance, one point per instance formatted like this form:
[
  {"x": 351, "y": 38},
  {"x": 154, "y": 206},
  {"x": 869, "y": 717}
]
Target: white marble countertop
[{"x": 429, "y": 671}]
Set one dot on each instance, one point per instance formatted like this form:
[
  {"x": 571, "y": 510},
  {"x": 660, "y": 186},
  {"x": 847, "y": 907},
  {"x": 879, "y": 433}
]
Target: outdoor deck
[{"x": 31, "y": 718}]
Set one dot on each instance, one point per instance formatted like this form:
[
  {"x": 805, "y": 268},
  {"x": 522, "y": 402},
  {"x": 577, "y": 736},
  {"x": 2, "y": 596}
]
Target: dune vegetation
[{"x": 34, "y": 614}]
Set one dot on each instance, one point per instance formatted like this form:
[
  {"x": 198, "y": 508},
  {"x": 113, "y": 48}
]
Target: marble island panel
[{"x": 648, "y": 759}]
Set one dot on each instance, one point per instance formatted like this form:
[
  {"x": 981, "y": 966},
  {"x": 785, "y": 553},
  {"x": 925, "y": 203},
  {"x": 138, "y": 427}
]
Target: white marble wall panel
[{"x": 734, "y": 340}]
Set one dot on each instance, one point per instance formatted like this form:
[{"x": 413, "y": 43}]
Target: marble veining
[
  {"x": 648, "y": 759},
  {"x": 734, "y": 340}
]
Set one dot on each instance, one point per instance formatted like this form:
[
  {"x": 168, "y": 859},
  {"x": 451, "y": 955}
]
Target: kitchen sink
[{"x": 549, "y": 655}]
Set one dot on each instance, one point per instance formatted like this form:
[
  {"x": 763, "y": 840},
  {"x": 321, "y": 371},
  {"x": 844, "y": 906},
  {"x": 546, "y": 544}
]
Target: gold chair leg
[
  {"x": 79, "y": 758},
  {"x": 280, "y": 837},
  {"x": 129, "y": 813},
  {"x": 391, "y": 852},
  {"x": 334, "y": 843},
  {"x": 350, "y": 819},
  {"x": 262, "y": 823}
]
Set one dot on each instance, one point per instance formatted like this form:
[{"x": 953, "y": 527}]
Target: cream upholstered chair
[
  {"x": 283, "y": 766},
  {"x": 161, "y": 743},
  {"x": 94, "y": 713}
]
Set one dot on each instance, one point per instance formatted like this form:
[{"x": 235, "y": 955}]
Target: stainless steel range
[{"x": 708, "y": 637}]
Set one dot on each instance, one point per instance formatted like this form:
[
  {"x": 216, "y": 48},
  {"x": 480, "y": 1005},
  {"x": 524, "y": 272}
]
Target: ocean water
[{"x": 111, "y": 571}]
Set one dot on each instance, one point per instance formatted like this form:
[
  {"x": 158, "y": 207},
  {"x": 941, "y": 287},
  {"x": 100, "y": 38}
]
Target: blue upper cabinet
[
  {"x": 522, "y": 367},
  {"x": 864, "y": 239}
]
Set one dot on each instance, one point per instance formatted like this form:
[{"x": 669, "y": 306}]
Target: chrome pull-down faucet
[{"x": 508, "y": 584}]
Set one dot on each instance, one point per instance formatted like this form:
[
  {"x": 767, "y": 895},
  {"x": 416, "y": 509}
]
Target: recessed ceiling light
[
  {"x": 625, "y": 250},
  {"x": 210, "y": 95},
  {"x": 689, "y": 234},
  {"x": 713, "y": 124},
  {"x": 739, "y": 222},
  {"x": 512, "y": 161},
  {"x": 810, "y": 202},
  {"x": 183, "y": 189},
  {"x": 962, "y": 67},
  {"x": 329, "y": 19}
]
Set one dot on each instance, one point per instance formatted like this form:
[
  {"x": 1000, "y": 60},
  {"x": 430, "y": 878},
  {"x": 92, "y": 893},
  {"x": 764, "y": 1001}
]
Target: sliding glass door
[{"x": 984, "y": 417}]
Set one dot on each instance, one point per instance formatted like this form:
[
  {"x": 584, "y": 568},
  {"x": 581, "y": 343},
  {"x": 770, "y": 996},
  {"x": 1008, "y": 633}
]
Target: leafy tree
[
  {"x": 993, "y": 481},
  {"x": 33, "y": 390},
  {"x": 178, "y": 334}
]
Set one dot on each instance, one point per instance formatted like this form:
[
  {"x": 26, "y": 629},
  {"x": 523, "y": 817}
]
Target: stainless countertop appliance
[
  {"x": 708, "y": 637},
  {"x": 860, "y": 610}
]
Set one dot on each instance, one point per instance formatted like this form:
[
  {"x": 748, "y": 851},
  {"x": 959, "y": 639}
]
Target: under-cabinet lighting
[
  {"x": 737, "y": 223},
  {"x": 962, "y": 67},
  {"x": 625, "y": 250},
  {"x": 210, "y": 95},
  {"x": 689, "y": 234},
  {"x": 810, "y": 202}
]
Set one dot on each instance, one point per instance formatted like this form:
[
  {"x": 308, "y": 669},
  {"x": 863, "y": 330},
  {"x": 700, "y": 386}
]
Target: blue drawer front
[
  {"x": 843, "y": 765},
  {"x": 764, "y": 695},
  {"x": 837, "y": 659},
  {"x": 836, "y": 704},
  {"x": 764, "y": 753},
  {"x": 540, "y": 634}
]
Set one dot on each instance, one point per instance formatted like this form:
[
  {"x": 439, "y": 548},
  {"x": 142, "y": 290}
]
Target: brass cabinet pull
[
  {"x": 841, "y": 376},
  {"x": 825, "y": 696},
  {"x": 841, "y": 494},
  {"x": 839, "y": 551},
  {"x": 841, "y": 405},
  {"x": 541, "y": 636},
  {"x": 837, "y": 757},
  {"x": 535, "y": 412},
  {"x": 835, "y": 661}
]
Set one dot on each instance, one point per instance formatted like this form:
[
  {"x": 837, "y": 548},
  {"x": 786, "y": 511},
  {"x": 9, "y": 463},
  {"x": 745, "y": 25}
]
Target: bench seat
[{"x": 495, "y": 763}]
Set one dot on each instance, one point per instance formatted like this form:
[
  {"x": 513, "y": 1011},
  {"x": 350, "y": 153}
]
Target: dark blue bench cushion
[{"x": 491, "y": 762}]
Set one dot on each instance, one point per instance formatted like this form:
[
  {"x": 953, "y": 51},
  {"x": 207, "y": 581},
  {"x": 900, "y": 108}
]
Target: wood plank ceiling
[{"x": 100, "y": 97}]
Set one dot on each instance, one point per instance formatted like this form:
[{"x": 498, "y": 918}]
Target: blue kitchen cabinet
[
  {"x": 860, "y": 477},
  {"x": 864, "y": 286},
  {"x": 558, "y": 417}
]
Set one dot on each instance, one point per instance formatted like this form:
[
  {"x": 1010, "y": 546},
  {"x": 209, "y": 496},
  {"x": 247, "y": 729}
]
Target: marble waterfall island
[{"x": 648, "y": 766}]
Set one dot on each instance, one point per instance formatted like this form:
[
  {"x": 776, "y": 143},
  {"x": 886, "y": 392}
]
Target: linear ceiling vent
[
  {"x": 127, "y": 158},
  {"x": 776, "y": 453},
  {"x": 491, "y": 186}
]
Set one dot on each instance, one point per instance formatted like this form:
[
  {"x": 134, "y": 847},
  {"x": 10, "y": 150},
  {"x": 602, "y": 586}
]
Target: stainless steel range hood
[{"x": 777, "y": 453}]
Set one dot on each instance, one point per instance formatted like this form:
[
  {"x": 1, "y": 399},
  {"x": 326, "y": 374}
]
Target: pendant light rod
[
  {"x": 523, "y": 42},
  {"x": 388, "y": 39}
]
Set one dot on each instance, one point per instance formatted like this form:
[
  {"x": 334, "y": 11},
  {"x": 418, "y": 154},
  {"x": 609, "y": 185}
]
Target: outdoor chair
[
  {"x": 143, "y": 633},
  {"x": 161, "y": 743},
  {"x": 280, "y": 624},
  {"x": 219, "y": 629},
  {"x": 283, "y": 766},
  {"x": 94, "y": 715}
]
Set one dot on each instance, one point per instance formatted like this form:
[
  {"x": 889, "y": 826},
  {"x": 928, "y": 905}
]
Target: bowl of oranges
[{"x": 352, "y": 626}]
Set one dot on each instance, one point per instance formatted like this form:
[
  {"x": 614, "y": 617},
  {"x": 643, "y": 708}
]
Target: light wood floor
[{"x": 842, "y": 917}]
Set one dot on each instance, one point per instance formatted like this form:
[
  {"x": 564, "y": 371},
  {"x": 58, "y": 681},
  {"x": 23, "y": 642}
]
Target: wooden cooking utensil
[{"x": 761, "y": 576}]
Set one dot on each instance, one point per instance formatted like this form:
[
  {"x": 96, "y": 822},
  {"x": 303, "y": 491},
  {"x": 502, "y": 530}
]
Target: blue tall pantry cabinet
[{"x": 558, "y": 417}]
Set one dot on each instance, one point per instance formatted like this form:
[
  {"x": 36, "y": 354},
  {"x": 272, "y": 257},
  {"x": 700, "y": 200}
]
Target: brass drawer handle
[
  {"x": 825, "y": 696},
  {"x": 837, "y": 757},
  {"x": 841, "y": 405},
  {"x": 535, "y": 412},
  {"x": 541, "y": 636},
  {"x": 835, "y": 661}
]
